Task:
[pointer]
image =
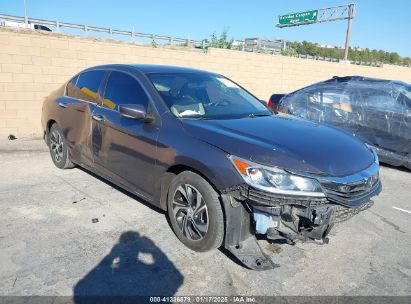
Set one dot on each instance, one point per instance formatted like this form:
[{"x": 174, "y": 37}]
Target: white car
[{"x": 32, "y": 26}]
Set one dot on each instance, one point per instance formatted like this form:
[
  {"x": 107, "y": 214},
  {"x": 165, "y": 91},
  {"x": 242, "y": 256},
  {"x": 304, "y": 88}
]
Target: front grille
[
  {"x": 352, "y": 194},
  {"x": 267, "y": 198},
  {"x": 341, "y": 213}
]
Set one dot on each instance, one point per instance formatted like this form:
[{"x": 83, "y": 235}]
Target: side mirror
[
  {"x": 274, "y": 102},
  {"x": 134, "y": 111}
]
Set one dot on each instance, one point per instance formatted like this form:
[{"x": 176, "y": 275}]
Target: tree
[
  {"x": 355, "y": 54},
  {"x": 222, "y": 41},
  {"x": 394, "y": 58}
]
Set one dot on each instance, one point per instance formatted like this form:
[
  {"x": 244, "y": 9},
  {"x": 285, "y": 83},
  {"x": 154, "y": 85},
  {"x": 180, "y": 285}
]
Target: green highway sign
[{"x": 296, "y": 18}]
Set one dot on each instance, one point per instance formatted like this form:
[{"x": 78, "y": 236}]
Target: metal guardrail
[
  {"x": 86, "y": 28},
  {"x": 356, "y": 62},
  {"x": 320, "y": 58},
  {"x": 204, "y": 44}
]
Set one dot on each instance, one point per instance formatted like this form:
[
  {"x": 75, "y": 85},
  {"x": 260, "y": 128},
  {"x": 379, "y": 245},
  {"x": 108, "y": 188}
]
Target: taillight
[{"x": 270, "y": 103}]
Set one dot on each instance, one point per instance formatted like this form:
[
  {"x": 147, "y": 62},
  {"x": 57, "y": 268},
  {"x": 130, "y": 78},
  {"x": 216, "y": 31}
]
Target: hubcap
[
  {"x": 56, "y": 145},
  {"x": 190, "y": 212}
]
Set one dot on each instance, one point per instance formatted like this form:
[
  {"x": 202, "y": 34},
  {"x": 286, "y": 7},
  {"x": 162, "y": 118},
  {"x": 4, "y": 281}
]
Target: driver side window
[
  {"x": 331, "y": 98},
  {"x": 123, "y": 89}
]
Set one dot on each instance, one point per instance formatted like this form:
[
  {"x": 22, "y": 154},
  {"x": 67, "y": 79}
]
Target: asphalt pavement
[{"x": 67, "y": 232}]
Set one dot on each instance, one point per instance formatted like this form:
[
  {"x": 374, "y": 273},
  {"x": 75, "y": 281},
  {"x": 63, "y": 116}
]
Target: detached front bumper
[
  {"x": 302, "y": 218},
  {"x": 294, "y": 218},
  {"x": 305, "y": 218}
]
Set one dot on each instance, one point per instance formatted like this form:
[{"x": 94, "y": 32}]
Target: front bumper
[
  {"x": 293, "y": 218},
  {"x": 307, "y": 216},
  {"x": 301, "y": 218},
  {"x": 342, "y": 206}
]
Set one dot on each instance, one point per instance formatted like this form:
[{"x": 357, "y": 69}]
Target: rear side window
[
  {"x": 383, "y": 101},
  {"x": 123, "y": 89},
  {"x": 71, "y": 87},
  {"x": 87, "y": 86}
]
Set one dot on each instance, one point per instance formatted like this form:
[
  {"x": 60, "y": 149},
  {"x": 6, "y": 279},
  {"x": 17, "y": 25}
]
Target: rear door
[
  {"x": 125, "y": 148},
  {"x": 76, "y": 109},
  {"x": 386, "y": 120}
]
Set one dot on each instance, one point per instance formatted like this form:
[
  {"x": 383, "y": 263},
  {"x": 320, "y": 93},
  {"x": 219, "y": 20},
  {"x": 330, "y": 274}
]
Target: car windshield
[{"x": 206, "y": 97}]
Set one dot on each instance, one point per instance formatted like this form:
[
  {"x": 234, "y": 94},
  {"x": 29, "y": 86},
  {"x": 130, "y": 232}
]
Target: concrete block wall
[{"x": 33, "y": 64}]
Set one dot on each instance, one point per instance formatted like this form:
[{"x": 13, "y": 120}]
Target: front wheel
[
  {"x": 195, "y": 212},
  {"x": 58, "y": 148}
]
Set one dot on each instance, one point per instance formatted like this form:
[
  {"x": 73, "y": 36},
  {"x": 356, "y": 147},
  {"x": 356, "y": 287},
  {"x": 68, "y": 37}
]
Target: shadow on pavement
[
  {"x": 399, "y": 168},
  {"x": 135, "y": 266}
]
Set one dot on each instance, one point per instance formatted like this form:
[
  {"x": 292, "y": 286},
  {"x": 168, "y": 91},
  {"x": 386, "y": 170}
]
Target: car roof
[
  {"x": 365, "y": 79},
  {"x": 336, "y": 79},
  {"x": 152, "y": 68},
  {"x": 355, "y": 78},
  {"x": 349, "y": 80}
]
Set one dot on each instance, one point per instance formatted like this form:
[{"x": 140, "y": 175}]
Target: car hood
[{"x": 286, "y": 142}]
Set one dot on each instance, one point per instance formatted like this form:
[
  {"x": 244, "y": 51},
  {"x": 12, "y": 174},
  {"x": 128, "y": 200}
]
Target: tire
[
  {"x": 204, "y": 229},
  {"x": 58, "y": 148}
]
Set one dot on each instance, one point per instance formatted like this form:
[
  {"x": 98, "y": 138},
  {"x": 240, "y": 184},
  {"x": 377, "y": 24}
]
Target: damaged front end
[
  {"x": 294, "y": 222},
  {"x": 289, "y": 216}
]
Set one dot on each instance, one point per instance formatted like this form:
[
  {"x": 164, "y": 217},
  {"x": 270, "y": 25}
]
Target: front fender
[{"x": 177, "y": 149}]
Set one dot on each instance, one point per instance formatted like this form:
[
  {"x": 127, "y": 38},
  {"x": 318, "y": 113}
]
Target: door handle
[
  {"x": 98, "y": 117},
  {"x": 63, "y": 104}
]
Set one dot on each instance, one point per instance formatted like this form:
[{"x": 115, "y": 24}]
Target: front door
[{"x": 125, "y": 148}]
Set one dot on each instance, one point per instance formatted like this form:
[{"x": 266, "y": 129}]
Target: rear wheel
[
  {"x": 195, "y": 212},
  {"x": 58, "y": 148}
]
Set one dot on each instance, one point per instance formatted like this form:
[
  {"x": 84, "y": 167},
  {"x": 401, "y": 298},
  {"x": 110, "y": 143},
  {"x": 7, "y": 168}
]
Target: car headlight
[{"x": 276, "y": 180}]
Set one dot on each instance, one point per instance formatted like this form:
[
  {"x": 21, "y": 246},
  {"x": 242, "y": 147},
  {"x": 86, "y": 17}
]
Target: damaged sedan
[
  {"x": 377, "y": 111},
  {"x": 209, "y": 153}
]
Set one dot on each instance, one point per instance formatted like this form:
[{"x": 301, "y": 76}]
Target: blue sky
[{"x": 378, "y": 24}]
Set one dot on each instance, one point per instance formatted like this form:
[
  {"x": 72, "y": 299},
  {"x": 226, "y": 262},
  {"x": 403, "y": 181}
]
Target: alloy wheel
[
  {"x": 56, "y": 145},
  {"x": 190, "y": 212}
]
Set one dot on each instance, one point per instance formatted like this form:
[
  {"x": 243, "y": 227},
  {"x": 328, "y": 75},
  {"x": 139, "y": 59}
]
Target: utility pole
[{"x": 347, "y": 37}]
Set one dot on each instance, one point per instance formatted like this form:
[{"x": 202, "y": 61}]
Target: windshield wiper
[
  {"x": 252, "y": 115},
  {"x": 195, "y": 117}
]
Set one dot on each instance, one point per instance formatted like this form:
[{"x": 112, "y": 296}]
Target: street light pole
[
  {"x": 347, "y": 38},
  {"x": 26, "y": 19}
]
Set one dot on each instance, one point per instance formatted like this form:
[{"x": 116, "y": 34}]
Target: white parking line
[{"x": 403, "y": 210}]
